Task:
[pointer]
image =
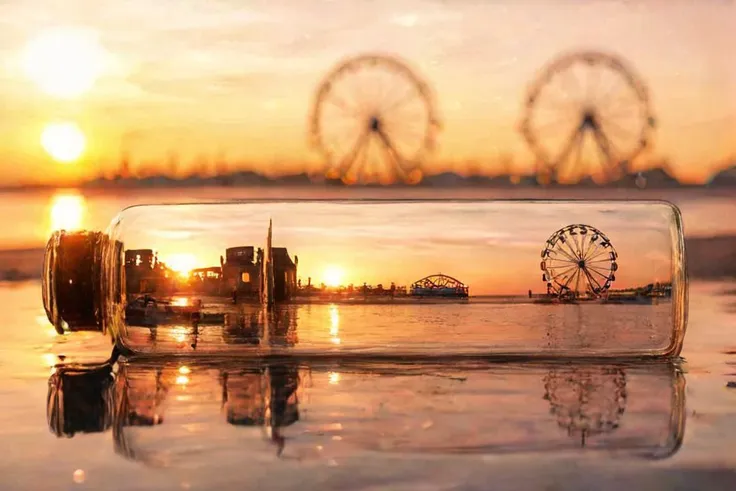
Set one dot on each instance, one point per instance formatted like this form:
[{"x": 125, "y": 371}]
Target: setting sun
[
  {"x": 64, "y": 142},
  {"x": 333, "y": 276},
  {"x": 181, "y": 263},
  {"x": 64, "y": 62}
]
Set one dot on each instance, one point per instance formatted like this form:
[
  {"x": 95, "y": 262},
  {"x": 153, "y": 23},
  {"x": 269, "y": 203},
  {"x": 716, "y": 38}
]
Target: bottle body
[{"x": 379, "y": 278}]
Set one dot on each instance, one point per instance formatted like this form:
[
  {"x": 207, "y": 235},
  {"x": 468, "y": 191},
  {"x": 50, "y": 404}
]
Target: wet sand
[{"x": 407, "y": 426}]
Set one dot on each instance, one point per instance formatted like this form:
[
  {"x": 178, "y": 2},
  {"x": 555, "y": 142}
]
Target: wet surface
[{"x": 182, "y": 424}]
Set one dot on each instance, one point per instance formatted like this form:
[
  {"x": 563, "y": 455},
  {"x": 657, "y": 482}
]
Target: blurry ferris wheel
[
  {"x": 587, "y": 113},
  {"x": 373, "y": 120}
]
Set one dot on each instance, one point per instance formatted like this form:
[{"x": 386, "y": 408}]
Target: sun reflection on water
[
  {"x": 334, "y": 324},
  {"x": 180, "y": 301},
  {"x": 67, "y": 212}
]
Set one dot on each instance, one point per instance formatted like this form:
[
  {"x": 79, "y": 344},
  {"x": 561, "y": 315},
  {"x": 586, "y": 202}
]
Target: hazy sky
[
  {"x": 495, "y": 248},
  {"x": 235, "y": 80}
]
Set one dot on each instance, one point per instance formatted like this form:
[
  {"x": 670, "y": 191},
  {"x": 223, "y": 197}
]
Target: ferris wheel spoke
[
  {"x": 592, "y": 86},
  {"x": 578, "y": 152},
  {"x": 573, "y": 140},
  {"x": 554, "y": 125},
  {"x": 552, "y": 105},
  {"x": 632, "y": 110},
  {"x": 364, "y": 165},
  {"x": 592, "y": 280},
  {"x": 407, "y": 96},
  {"x": 593, "y": 259},
  {"x": 620, "y": 100},
  {"x": 616, "y": 128},
  {"x": 606, "y": 150},
  {"x": 411, "y": 132},
  {"x": 563, "y": 272},
  {"x": 567, "y": 75},
  {"x": 592, "y": 249},
  {"x": 574, "y": 239},
  {"x": 607, "y": 260},
  {"x": 570, "y": 255},
  {"x": 567, "y": 283},
  {"x": 562, "y": 251},
  {"x": 341, "y": 104},
  {"x": 393, "y": 153},
  {"x": 594, "y": 270},
  {"x": 589, "y": 246},
  {"x": 574, "y": 256},
  {"x": 349, "y": 159},
  {"x": 614, "y": 89},
  {"x": 564, "y": 261}
]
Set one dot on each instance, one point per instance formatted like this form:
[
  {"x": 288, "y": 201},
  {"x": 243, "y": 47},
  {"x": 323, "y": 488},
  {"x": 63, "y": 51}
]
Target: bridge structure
[{"x": 439, "y": 285}]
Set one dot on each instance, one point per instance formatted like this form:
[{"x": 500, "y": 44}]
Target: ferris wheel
[
  {"x": 578, "y": 261},
  {"x": 587, "y": 113},
  {"x": 373, "y": 120}
]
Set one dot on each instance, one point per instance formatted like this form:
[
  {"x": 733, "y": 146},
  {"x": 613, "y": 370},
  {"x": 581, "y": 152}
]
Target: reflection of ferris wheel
[
  {"x": 587, "y": 113},
  {"x": 578, "y": 261},
  {"x": 586, "y": 401},
  {"x": 373, "y": 120}
]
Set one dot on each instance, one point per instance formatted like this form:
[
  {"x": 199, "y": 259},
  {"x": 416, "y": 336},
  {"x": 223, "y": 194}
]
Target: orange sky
[
  {"x": 222, "y": 80},
  {"x": 495, "y": 248}
]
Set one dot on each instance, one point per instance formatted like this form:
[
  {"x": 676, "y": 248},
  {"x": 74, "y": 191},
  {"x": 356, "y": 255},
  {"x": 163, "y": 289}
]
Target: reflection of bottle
[
  {"x": 587, "y": 401},
  {"x": 154, "y": 409},
  {"x": 80, "y": 401},
  {"x": 172, "y": 412}
]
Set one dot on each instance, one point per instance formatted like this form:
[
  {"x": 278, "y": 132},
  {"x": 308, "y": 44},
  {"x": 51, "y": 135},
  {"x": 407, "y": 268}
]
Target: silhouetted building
[
  {"x": 241, "y": 271},
  {"x": 207, "y": 280},
  {"x": 284, "y": 274},
  {"x": 140, "y": 276}
]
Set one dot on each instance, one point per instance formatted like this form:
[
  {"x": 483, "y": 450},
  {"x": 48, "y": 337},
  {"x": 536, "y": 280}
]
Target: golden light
[
  {"x": 182, "y": 380},
  {"x": 334, "y": 324},
  {"x": 67, "y": 212},
  {"x": 181, "y": 263},
  {"x": 179, "y": 333},
  {"x": 180, "y": 301},
  {"x": 64, "y": 142},
  {"x": 64, "y": 62},
  {"x": 333, "y": 276},
  {"x": 184, "y": 370},
  {"x": 334, "y": 378}
]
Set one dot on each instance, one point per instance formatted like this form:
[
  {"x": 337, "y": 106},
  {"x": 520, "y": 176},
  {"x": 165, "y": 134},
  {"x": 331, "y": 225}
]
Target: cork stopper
[{"x": 71, "y": 281}]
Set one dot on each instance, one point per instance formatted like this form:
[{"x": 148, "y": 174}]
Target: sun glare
[
  {"x": 67, "y": 212},
  {"x": 64, "y": 62},
  {"x": 181, "y": 263},
  {"x": 333, "y": 275},
  {"x": 64, "y": 142}
]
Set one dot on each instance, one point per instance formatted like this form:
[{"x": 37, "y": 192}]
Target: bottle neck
[{"x": 71, "y": 281}]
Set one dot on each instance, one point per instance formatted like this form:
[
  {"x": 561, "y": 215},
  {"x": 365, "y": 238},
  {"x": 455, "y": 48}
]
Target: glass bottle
[{"x": 525, "y": 279}]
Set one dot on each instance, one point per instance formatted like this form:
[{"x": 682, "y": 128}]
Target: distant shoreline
[{"x": 653, "y": 178}]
